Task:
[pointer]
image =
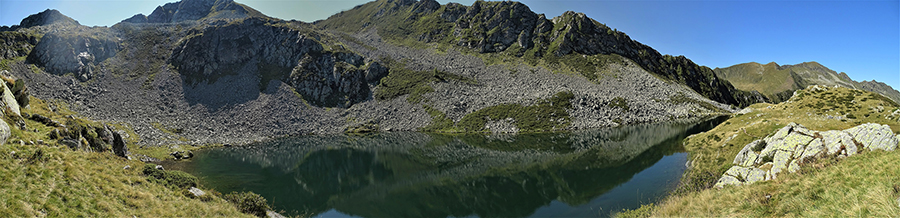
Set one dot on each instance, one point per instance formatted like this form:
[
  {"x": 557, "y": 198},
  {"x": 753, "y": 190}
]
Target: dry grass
[
  {"x": 52, "y": 180},
  {"x": 856, "y": 186},
  {"x": 48, "y": 179}
]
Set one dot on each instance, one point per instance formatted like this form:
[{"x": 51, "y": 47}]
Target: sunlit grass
[{"x": 861, "y": 185}]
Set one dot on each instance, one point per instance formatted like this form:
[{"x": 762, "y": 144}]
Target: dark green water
[{"x": 578, "y": 174}]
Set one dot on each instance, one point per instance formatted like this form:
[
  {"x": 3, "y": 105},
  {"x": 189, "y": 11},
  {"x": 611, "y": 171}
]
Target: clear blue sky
[{"x": 861, "y": 38}]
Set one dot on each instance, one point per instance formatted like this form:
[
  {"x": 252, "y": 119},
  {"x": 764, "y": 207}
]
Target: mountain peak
[
  {"x": 47, "y": 17},
  {"x": 187, "y": 10}
]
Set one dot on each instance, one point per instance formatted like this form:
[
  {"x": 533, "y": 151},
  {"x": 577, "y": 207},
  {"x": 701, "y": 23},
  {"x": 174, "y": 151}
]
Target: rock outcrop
[
  {"x": 325, "y": 78},
  {"x": 794, "y": 145},
  {"x": 77, "y": 52}
]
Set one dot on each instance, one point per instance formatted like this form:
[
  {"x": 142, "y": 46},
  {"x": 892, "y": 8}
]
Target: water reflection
[{"x": 427, "y": 175}]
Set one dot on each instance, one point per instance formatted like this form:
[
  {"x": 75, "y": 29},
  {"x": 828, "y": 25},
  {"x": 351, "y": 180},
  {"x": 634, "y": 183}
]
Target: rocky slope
[
  {"x": 778, "y": 82},
  {"x": 512, "y": 28},
  {"x": 200, "y": 71}
]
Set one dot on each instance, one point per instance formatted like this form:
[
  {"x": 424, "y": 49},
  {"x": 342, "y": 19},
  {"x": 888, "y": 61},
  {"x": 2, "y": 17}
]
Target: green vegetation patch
[
  {"x": 619, "y": 102},
  {"x": 546, "y": 115},
  {"x": 439, "y": 121},
  {"x": 170, "y": 178},
  {"x": 681, "y": 98},
  {"x": 401, "y": 81},
  {"x": 248, "y": 202}
]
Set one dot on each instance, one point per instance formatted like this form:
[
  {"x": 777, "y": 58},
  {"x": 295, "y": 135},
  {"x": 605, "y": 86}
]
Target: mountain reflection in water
[{"x": 412, "y": 174}]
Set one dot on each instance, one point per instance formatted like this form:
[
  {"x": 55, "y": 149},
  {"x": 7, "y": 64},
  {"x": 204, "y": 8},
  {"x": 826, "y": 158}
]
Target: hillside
[
  {"x": 219, "y": 72},
  {"x": 825, "y": 185},
  {"x": 778, "y": 82}
]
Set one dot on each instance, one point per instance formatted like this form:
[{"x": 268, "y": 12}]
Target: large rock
[
  {"x": 8, "y": 101},
  {"x": 4, "y": 132},
  {"x": 196, "y": 192},
  {"x": 76, "y": 52},
  {"x": 118, "y": 145},
  {"x": 793, "y": 145},
  {"x": 277, "y": 52},
  {"x": 874, "y": 136}
]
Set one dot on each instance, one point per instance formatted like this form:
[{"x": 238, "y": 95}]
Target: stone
[
  {"x": 71, "y": 143},
  {"x": 755, "y": 175},
  {"x": 792, "y": 141},
  {"x": 196, "y": 192},
  {"x": 727, "y": 180},
  {"x": 273, "y": 214},
  {"x": 45, "y": 120},
  {"x": 814, "y": 148},
  {"x": 793, "y": 166},
  {"x": 75, "y": 52},
  {"x": 5, "y": 132},
  {"x": 180, "y": 155},
  {"x": 159, "y": 167},
  {"x": 779, "y": 163},
  {"x": 783, "y": 132},
  {"x": 118, "y": 145},
  {"x": 8, "y": 101},
  {"x": 874, "y": 136},
  {"x": 747, "y": 156},
  {"x": 793, "y": 145}
]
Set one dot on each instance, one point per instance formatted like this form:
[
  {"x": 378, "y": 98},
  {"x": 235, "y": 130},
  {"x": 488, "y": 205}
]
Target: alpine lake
[{"x": 590, "y": 173}]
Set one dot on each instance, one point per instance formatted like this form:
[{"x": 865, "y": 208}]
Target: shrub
[
  {"x": 759, "y": 146},
  {"x": 248, "y": 202},
  {"x": 170, "y": 178}
]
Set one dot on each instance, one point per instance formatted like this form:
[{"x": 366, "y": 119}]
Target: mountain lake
[{"x": 589, "y": 173}]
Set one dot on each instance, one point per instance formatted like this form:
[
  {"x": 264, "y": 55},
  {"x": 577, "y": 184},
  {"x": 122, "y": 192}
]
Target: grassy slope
[
  {"x": 858, "y": 185},
  {"x": 766, "y": 79},
  {"x": 51, "y": 179}
]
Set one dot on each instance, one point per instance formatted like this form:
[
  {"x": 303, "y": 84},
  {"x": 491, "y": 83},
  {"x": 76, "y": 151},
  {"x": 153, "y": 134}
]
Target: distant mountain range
[
  {"x": 778, "y": 82},
  {"x": 221, "y": 72}
]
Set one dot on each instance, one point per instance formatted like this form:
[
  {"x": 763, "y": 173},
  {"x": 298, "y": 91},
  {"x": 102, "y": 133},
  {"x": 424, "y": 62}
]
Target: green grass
[
  {"x": 712, "y": 153},
  {"x": 402, "y": 81},
  {"x": 681, "y": 98},
  {"x": 546, "y": 115},
  {"x": 52, "y": 180},
  {"x": 769, "y": 82},
  {"x": 49, "y": 179},
  {"x": 862, "y": 185},
  {"x": 439, "y": 121},
  {"x": 619, "y": 102}
]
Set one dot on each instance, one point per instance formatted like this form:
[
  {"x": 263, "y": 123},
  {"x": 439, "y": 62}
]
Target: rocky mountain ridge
[
  {"x": 778, "y": 82},
  {"x": 511, "y": 27},
  {"x": 197, "y": 77}
]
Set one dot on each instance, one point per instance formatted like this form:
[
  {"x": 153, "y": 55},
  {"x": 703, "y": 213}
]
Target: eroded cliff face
[
  {"x": 76, "y": 52},
  {"x": 277, "y": 51}
]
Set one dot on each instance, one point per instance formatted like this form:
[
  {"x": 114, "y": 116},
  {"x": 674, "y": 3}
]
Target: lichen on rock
[{"x": 794, "y": 144}]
